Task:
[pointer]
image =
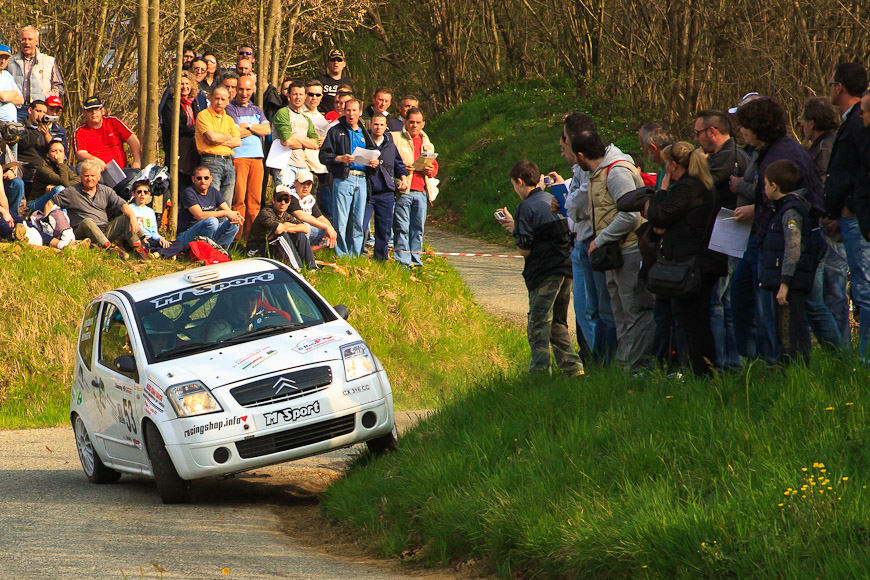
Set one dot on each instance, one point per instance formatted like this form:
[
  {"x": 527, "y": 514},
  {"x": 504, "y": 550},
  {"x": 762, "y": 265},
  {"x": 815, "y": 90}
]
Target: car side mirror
[
  {"x": 341, "y": 310},
  {"x": 126, "y": 365}
]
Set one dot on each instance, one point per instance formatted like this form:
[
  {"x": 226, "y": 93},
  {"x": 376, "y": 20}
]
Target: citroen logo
[{"x": 283, "y": 383}]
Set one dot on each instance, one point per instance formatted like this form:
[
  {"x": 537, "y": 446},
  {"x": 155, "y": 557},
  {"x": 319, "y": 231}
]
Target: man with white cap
[{"x": 10, "y": 95}]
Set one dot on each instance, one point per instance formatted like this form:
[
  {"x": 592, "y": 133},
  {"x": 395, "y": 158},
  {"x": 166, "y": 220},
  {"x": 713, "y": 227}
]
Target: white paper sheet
[
  {"x": 364, "y": 156},
  {"x": 279, "y": 156},
  {"x": 729, "y": 236},
  {"x": 113, "y": 174}
]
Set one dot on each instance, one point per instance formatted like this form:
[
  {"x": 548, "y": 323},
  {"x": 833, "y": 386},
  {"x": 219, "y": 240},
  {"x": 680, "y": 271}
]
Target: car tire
[
  {"x": 171, "y": 487},
  {"x": 93, "y": 466},
  {"x": 384, "y": 443}
]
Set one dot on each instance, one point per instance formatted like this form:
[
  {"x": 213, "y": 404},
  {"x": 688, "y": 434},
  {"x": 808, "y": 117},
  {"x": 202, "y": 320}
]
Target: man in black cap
[
  {"x": 102, "y": 137},
  {"x": 335, "y": 64}
]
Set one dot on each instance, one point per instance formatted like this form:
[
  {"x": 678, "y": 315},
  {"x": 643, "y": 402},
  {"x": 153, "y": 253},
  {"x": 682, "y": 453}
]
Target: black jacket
[
  {"x": 844, "y": 164},
  {"x": 337, "y": 143},
  {"x": 687, "y": 211},
  {"x": 862, "y": 192},
  {"x": 391, "y": 166}
]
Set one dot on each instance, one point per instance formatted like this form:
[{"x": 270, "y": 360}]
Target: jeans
[
  {"x": 585, "y": 322},
  {"x": 409, "y": 221},
  {"x": 833, "y": 281},
  {"x": 38, "y": 204},
  {"x": 722, "y": 321},
  {"x": 223, "y": 232},
  {"x": 381, "y": 205},
  {"x": 315, "y": 236},
  {"x": 286, "y": 176},
  {"x": 223, "y": 175},
  {"x": 348, "y": 209},
  {"x": 14, "y": 194},
  {"x": 752, "y": 307},
  {"x": 598, "y": 307},
  {"x": 858, "y": 257}
]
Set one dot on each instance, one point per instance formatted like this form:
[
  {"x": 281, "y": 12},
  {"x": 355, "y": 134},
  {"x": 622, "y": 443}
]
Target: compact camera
[
  {"x": 499, "y": 215},
  {"x": 547, "y": 181}
]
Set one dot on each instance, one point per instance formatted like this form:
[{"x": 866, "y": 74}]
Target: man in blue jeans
[
  {"x": 842, "y": 188},
  {"x": 202, "y": 211}
]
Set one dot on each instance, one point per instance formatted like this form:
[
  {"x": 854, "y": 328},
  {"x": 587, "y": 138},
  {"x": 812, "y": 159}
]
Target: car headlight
[
  {"x": 191, "y": 399},
  {"x": 358, "y": 361}
]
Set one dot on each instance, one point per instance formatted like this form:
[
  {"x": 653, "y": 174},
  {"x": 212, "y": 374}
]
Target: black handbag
[{"x": 674, "y": 279}]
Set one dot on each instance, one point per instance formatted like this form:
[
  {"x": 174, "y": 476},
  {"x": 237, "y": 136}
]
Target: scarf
[{"x": 187, "y": 107}]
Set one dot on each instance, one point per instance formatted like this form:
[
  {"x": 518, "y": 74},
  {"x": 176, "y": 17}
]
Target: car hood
[{"x": 248, "y": 360}]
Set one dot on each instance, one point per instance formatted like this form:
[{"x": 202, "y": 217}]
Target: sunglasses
[
  {"x": 142, "y": 191},
  {"x": 315, "y": 94},
  {"x": 282, "y": 199},
  {"x": 245, "y": 53},
  {"x": 202, "y": 178},
  {"x": 211, "y": 61}
]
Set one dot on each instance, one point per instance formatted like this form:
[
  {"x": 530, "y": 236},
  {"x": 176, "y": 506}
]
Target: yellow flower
[
  {"x": 849, "y": 404},
  {"x": 829, "y": 408},
  {"x": 803, "y": 497},
  {"x": 225, "y": 571},
  {"x": 779, "y": 504},
  {"x": 845, "y": 479},
  {"x": 803, "y": 468},
  {"x": 668, "y": 397},
  {"x": 823, "y": 470}
]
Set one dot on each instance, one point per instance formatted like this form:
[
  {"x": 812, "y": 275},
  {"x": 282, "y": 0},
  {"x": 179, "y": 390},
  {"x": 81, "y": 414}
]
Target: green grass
[
  {"x": 614, "y": 477},
  {"x": 478, "y": 142},
  {"x": 431, "y": 337}
]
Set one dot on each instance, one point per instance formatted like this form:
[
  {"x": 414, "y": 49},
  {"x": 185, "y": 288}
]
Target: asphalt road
[{"x": 260, "y": 525}]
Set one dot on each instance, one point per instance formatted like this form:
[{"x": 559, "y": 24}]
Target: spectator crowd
[
  {"x": 632, "y": 247},
  {"x": 336, "y": 164}
]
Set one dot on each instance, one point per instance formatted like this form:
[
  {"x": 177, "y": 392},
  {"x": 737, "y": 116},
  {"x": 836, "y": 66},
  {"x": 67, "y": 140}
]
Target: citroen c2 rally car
[{"x": 218, "y": 370}]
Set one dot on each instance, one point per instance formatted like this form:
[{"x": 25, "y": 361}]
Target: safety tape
[{"x": 460, "y": 254}]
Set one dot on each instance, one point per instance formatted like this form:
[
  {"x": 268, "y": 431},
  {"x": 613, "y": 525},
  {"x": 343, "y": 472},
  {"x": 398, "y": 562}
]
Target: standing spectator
[
  {"x": 349, "y": 188},
  {"x": 92, "y": 208},
  {"x": 611, "y": 175},
  {"x": 230, "y": 81},
  {"x": 543, "y": 239},
  {"x": 102, "y": 138},
  {"x": 332, "y": 79},
  {"x": 382, "y": 197},
  {"x": 398, "y": 123},
  {"x": 55, "y": 109},
  {"x": 199, "y": 68},
  {"x": 33, "y": 144},
  {"x": 285, "y": 90},
  {"x": 683, "y": 211},
  {"x": 788, "y": 264},
  {"x": 36, "y": 74},
  {"x": 848, "y": 84},
  {"x": 53, "y": 177},
  {"x": 202, "y": 211},
  {"x": 216, "y": 137},
  {"x": 381, "y": 101},
  {"x": 245, "y": 68},
  {"x": 337, "y": 113},
  {"x": 187, "y": 56},
  {"x": 212, "y": 72},
  {"x": 10, "y": 95},
  {"x": 247, "y": 51},
  {"x": 313, "y": 96},
  {"x": 713, "y": 133},
  {"x": 248, "y": 158},
  {"x": 409, "y": 219},
  {"x": 188, "y": 156},
  {"x": 294, "y": 130},
  {"x": 819, "y": 122}
]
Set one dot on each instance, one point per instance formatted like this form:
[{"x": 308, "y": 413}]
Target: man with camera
[{"x": 33, "y": 145}]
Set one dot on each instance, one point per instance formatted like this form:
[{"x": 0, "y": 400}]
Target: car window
[
  {"x": 114, "y": 337},
  {"x": 86, "y": 336},
  {"x": 203, "y": 316}
]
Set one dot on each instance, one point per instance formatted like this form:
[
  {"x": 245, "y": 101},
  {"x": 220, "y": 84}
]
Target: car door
[
  {"x": 121, "y": 419},
  {"x": 87, "y": 398}
]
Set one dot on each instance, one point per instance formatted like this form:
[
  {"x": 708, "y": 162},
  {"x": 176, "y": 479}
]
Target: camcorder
[{"x": 49, "y": 119}]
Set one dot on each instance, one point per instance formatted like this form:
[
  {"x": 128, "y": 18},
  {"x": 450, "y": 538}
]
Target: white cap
[
  {"x": 746, "y": 98},
  {"x": 304, "y": 175}
]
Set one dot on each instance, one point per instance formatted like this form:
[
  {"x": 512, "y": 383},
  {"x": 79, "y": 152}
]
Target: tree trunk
[
  {"x": 149, "y": 153},
  {"x": 176, "y": 121},
  {"x": 261, "y": 50},
  {"x": 97, "y": 48},
  {"x": 142, "y": 71}
]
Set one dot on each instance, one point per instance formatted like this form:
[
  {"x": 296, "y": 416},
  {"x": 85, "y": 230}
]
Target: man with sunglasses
[
  {"x": 203, "y": 212},
  {"x": 331, "y": 80},
  {"x": 277, "y": 227}
]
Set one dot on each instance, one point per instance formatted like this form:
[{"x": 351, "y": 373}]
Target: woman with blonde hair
[{"x": 682, "y": 215}]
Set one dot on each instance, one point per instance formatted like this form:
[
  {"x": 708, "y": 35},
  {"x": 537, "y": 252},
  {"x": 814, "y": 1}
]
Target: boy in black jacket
[
  {"x": 544, "y": 240},
  {"x": 788, "y": 265}
]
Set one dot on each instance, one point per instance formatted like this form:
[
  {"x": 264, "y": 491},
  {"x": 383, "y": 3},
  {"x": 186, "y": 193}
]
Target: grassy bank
[
  {"x": 479, "y": 141},
  {"x": 761, "y": 475},
  {"x": 431, "y": 337}
]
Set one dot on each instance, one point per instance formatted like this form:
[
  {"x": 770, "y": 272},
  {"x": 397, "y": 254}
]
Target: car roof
[{"x": 192, "y": 277}]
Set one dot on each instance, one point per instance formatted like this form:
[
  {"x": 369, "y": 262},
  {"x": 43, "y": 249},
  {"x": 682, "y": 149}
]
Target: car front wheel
[
  {"x": 171, "y": 487},
  {"x": 384, "y": 443},
  {"x": 92, "y": 465}
]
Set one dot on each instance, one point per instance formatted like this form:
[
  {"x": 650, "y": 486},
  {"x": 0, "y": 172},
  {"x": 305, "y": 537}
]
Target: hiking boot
[
  {"x": 21, "y": 233},
  {"x": 113, "y": 249},
  {"x": 141, "y": 253},
  {"x": 76, "y": 244}
]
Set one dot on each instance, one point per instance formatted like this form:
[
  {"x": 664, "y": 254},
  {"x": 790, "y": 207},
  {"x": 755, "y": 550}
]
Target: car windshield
[{"x": 217, "y": 313}]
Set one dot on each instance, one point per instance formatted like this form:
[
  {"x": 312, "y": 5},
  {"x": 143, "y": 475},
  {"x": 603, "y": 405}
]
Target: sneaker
[
  {"x": 141, "y": 253},
  {"x": 578, "y": 373},
  {"x": 118, "y": 252},
  {"x": 155, "y": 255},
  {"x": 76, "y": 244},
  {"x": 21, "y": 233}
]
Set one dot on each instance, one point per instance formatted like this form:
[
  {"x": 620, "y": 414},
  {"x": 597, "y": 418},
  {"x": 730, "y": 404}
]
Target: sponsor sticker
[
  {"x": 310, "y": 344},
  {"x": 356, "y": 390},
  {"x": 215, "y": 425},
  {"x": 165, "y": 300},
  {"x": 292, "y": 414},
  {"x": 256, "y": 358},
  {"x": 153, "y": 399}
]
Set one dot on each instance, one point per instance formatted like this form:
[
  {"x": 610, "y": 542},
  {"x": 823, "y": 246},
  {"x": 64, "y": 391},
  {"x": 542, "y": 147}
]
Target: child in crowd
[
  {"x": 544, "y": 240},
  {"x": 157, "y": 245},
  {"x": 787, "y": 264}
]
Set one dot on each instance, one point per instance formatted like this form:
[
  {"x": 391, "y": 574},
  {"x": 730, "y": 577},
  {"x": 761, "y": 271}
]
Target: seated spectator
[
  {"x": 188, "y": 156},
  {"x": 8, "y": 222},
  {"x": 55, "y": 109},
  {"x": 33, "y": 145},
  {"x": 277, "y": 233},
  {"x": 52, "y": 230},
  {"x": 102, "y": 139},
  {"x": 304, "y": 207},
  {"x": 157, "y": 245},
  {"x": 93, "y": 211},
  {"x": 203, "y": 212},
  {"x": 53, "y": 177},
  {"x": 12, "y": 183}
]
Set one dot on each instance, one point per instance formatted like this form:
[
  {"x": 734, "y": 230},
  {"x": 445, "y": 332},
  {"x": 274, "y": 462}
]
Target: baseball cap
[
  {"x": 54, "y": 101},
  {"x": 304, "y": 175},
  {"x": 336, "y": 54},
  {"x": 745, "y": 99},
  {"x": 92, "y": 103},
  {"x": 5, "y": 50}
]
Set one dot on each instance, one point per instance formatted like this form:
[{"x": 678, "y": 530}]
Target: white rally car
[{"x": 218, "y": 370}]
